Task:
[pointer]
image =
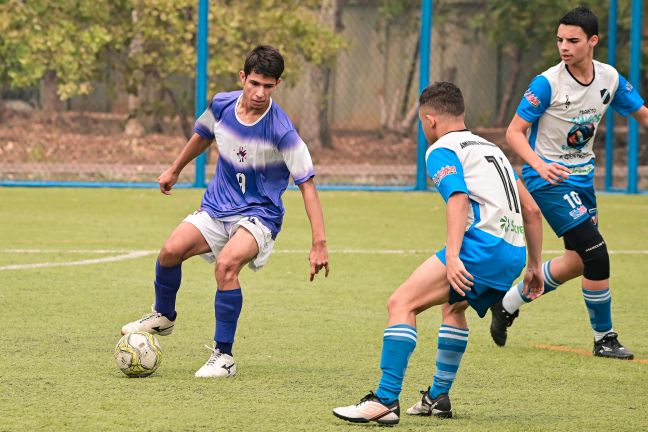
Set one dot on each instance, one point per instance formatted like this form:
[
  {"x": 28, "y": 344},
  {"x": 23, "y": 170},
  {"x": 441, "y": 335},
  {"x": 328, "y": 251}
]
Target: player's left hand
[
  {"x": 533, "y": 283},
  {"x": 458, "y": 277},
  {"x": 318, "y": 260}
]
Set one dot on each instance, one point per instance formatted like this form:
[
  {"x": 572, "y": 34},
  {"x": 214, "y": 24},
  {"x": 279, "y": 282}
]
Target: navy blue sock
[
  {"x": 227, "y": 307},
  {"x": 167, "y": 284}
]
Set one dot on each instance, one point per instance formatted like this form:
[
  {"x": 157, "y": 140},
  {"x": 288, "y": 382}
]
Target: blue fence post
[
  {"x": 424, "y": 79},
  {"x": 609, "y": 124},
  {"x": 635, "y": 65},
  {"x": 201, "y": 82}
]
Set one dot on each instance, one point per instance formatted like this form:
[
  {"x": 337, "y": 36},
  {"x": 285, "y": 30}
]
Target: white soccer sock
[
  {"x": 599, "y": 335},
  {"x": 513, "y": 300}
]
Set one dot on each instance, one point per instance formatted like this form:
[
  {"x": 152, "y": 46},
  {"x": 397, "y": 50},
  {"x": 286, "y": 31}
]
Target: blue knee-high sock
[
  {"x": 167, "y": 284},
  {"x": 452, "y": 346},
  {"x": 599, "y": 305},
  {"x": 399, "y": 342},
  {"x": 227, "y": 307}
]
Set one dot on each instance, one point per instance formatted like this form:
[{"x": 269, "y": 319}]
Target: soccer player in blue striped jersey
[
  {"x": 241, "y": 211},
  {"x": 489, "y": 214},
  {"x": 553, "y": 130}
]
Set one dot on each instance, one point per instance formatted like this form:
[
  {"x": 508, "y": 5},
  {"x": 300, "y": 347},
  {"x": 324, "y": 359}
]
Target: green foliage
[{"x": 64, "y": 36}]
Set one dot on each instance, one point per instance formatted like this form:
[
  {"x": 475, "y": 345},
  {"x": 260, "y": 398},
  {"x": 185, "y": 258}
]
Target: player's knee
[
  {"x": 596, "y": 261},
  {"x": 226, "y": 270},
  {"x": 396, "y": 305},
  {"x": 169, "y": 257}
]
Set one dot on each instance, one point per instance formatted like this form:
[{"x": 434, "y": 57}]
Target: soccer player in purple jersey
[
  {"x": 553, "y": 130},
  {"x": 241, "y": 211}
]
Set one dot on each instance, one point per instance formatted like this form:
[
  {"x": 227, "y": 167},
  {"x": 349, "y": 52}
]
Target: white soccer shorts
[{"x": 217, "y": 233}]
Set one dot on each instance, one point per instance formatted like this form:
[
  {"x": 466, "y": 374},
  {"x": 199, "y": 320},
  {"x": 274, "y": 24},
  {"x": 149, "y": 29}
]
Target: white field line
[
  {"x": 127, "y": 255},
  {"x": 114, "y": 258}
]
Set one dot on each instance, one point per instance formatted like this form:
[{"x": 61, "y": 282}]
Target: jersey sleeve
[
  {"x": 296, "y": 156},
  {"x": 204, "y": 125},
  {"x": 536, "y": 99},
  {"x": 626, "y": 99},
  {"x": 446, "y": 171}
]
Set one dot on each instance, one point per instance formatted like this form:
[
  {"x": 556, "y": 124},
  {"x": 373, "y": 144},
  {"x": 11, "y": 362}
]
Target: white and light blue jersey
[
  {"x": 493, "y": 248},
  {"x": 255, "y": 161},
  {"x": 565, "y": 114}
]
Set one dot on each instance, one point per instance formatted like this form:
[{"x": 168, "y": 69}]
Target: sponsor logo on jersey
[
  {"x": 580, "y": 134},
  {"x": 605, "y": 96},
  {"x": 531, "y": 98},
  {"x": 242, "y": 154},
  {"x": 577, "y": 155},
  {"x": 578, "y": 212},
  {"x": 508, "y": 225},
  {"x": 442, "y": 173},
  {"x": 582, "y": 170}
]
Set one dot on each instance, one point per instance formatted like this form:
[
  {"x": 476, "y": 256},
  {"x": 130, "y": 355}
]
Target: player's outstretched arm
[
  {"x": 318, "y": 256},
  {"x": 457, "y": 214},
  {"x": 641, "y": 115},
  {"x": 532, "y": 217},
  {"x": 516, "y": 137},
  {"x": 194, "y": 147}
]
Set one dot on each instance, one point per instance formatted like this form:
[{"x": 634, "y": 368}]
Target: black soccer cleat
[
  {"x": 438, "y": 407},
  {"x": 610, "y": 347},
  {"x": 501, "y": 319}
]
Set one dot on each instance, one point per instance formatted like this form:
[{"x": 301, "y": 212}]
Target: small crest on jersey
[
  {"x": 629, "y": 86},
  {"x": 605, "y": 96},
  {"x": 442, "y": 173},
  {"x": 567, "y": 101},
  {"x": 531, "y": 98},
  {"x": 242, "y": 154}
]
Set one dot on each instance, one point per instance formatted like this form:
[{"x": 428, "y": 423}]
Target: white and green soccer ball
[{"x": 138, "y": 354}]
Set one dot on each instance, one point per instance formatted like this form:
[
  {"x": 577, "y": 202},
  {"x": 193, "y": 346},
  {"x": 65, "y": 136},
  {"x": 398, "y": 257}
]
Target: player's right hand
[
  {"x": 553, "y": 172},
  {"x": 458, "y": 277},
  {"x": 533, "y": 283},
  {"x": 166, "y": 180}
]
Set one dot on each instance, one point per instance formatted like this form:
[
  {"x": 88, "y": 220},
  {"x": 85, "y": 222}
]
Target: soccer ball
[{"x": 138, "y": 354}]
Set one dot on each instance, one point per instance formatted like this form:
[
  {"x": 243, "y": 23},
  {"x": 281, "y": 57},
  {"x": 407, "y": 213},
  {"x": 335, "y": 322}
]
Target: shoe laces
[
  {"x": 611, "y": 340},
  {"x": 149, "y": 316},
  {"x": 216, "y": 354},
  {"x": 371, "y": 397}
]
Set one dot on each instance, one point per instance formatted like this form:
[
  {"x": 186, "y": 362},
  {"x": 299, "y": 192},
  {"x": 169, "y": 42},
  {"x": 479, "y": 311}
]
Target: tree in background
[
  {"x": 520, "y": 27},
  {"x": 53, "y": 43}
]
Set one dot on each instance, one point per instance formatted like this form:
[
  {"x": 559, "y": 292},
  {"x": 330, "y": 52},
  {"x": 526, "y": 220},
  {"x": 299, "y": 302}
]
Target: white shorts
[{"x": 217, "y": 233}]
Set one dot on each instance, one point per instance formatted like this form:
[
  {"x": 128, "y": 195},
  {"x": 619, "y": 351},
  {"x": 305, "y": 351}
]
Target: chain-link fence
[{"x": 358, "y": 114}]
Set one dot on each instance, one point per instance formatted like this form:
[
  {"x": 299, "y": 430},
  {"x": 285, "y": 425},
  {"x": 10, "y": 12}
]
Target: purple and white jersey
[{"x": 254, "y": 161}]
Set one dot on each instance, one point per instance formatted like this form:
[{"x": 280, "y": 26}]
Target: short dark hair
[
  {"x": 265, "y": 60},
  {"x": 444, "y": 98},
  {"x": 582, "y": 17}
]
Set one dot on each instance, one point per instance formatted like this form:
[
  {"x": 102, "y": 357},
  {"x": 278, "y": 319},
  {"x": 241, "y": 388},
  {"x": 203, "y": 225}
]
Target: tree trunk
[
  {"x": 135, "y": 89},
  {"x": 516, "y": 67},
  {"x": 50, "y": 100},
  {"x": 315, "y": 126}
]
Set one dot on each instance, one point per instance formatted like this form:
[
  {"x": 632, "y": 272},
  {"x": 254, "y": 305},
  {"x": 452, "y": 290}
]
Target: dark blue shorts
[
  {"x": 564, "y": 206},
  {"x": 479, "y": 298}
]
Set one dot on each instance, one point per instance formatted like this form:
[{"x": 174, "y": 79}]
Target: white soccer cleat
[
  {"x": 370, "y": 409},
  {"x": 154, "y": 323},
  {"x": 219, "y": 365}
]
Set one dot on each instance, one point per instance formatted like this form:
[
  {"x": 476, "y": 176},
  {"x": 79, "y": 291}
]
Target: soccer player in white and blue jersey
[
  {"x": 241, "y": 211},
  {"x": 553, "y": 131},
  {"x": 489, "y": 214}
]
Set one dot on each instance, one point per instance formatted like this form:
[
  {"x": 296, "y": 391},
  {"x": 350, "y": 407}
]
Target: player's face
[
  {"x": 573, "y": 45},
  {"x": 257, "y": 90}
]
